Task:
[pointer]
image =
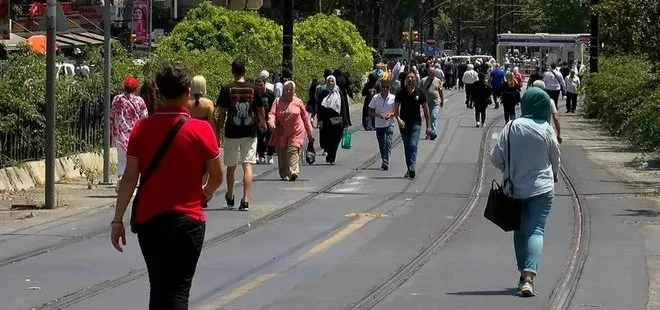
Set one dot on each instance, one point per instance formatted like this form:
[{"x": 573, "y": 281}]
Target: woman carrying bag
[
  {"x": 288, "y": 121},
  {"x": 527, "y": 152},
  {"x": 334, "y": 117}
]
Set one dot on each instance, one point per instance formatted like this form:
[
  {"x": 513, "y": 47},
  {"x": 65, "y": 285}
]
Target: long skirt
[{"x": 331, "y": 137}]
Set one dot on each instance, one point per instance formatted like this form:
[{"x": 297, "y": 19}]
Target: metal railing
[{"x": 81, "y": 130}]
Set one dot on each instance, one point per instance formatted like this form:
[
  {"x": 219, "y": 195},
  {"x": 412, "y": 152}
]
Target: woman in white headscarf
[{"x": 334, "y": 116}]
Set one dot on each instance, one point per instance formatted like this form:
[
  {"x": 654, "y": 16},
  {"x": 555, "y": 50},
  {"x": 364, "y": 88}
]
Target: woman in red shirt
[{"x": 169, "y": 153}]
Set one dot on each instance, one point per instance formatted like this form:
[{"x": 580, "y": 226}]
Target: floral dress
[{"x": 126, "y": 111}]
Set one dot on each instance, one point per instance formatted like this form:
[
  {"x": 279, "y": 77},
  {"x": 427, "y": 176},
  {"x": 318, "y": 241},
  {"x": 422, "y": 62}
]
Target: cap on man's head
[{"x": 264, "y": 74}]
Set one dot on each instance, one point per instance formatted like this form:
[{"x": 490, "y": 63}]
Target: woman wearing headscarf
[
  {"x": 532, "y": 166},
  {"x": 288, "y": 121},
  {"x": 510, "y": 96},
  {"x": 334, "y": 116}
]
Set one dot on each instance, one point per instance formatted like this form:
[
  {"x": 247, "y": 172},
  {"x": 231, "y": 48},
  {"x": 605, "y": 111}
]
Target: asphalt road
[{"x": 327, "y": 241}]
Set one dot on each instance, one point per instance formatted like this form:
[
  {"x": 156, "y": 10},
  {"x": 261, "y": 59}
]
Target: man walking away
[
  {"x": 469, "y": 78},
  {"x": 407, "y": 104},
  {"x": 240, "y": 113},
  {"x": 572, "y": 84},
  {"x": 497, "y": 83},
  {"x": 554, "y": 84}
]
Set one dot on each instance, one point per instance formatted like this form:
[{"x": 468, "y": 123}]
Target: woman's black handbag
[
  {"x": 310, "y": 154},
  {"x": 503, "y": 209}
]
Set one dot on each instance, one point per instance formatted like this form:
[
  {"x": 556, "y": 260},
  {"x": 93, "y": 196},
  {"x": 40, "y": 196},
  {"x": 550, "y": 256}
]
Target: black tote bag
[{"x": 502, "y": 209}]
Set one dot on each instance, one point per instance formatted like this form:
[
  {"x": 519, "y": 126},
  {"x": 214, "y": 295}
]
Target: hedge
[{"x": 624, "y": 96}]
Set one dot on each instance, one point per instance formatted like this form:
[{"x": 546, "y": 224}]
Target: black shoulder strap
[
  {"x": 164, "y": 147},
  {"x": 153, "y": 164},
  {"x": 508, "y": 157}
]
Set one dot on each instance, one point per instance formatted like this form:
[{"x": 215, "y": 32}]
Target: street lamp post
[
  {"x": 49, "y": 186},
  {"x": 376, "y": 38},
  {"x": 287, "y": 40},
  {"x": 594, "y": 42},
  {"x": 107, "y": 56}
]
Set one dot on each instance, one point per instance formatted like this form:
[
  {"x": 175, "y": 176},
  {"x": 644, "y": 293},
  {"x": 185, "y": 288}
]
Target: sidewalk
[{"x": 620, "y": 188}]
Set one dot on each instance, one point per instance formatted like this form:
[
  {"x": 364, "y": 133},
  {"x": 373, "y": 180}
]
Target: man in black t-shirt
[
  {"x": 407, "y": 104},
  {"x": 240, "y": 113}
]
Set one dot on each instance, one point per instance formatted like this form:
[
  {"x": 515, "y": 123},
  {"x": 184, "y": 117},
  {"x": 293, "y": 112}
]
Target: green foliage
[
  {"x": 240, "y": 33},
  {"x": 211, "y": 37},
  {"x": 631, "y": 27},
  {"x": 621, "y": 96},
  {"x": 78, "y": 105}
]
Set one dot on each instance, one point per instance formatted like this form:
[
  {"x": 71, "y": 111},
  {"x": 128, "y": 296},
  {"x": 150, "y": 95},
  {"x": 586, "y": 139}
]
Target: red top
[{"x": 176, "y": 184}]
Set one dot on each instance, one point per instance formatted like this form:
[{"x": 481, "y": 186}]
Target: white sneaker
[
  {"x": 478, "y": 124},
  {"x": 269, "y": 159}
]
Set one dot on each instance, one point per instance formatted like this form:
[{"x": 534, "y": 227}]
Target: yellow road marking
[
  {"x": 238, "y": 292},
  {"x": 361, "y": 219}
]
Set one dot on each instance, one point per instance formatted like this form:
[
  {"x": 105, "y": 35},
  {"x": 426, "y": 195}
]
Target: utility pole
[
  {"x": 495, "y": 19},
  {"x": 376, "y": 38},
  {"x": 432, "y": 16},
  {"x": 51, "y": 12},
  {"x": 287, "y": 40},
  {"x": 107, "y": 55},
  {"x": 594, "y": 44},
  {"x": 458, "y": 29}
]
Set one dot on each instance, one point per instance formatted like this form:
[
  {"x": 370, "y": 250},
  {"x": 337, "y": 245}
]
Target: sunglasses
[{"x": 385, "y": 86}]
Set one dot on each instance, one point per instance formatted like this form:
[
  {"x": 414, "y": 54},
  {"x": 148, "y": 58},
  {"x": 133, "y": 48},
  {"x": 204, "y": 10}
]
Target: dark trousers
[
  {"x": 384, "y": 137},
  {"x": 497, "y": 94},
  {"x": 480, "y": 113},
  {"x": 571, "y": 102},
  {"x": 331, "y": 137},
  {"x": 554, "y": 95},
  {"x": 263, "y": 148},
  {"x": 171, "y": 245},
  {"x": 509, "y": 111},
  {"x": 469, "y": 101},
  {"x": 410, "y": 139}
]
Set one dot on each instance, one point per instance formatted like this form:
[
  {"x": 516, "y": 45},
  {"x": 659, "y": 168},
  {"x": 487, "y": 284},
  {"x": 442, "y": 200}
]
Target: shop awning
[{"x": 68, "y": 39}]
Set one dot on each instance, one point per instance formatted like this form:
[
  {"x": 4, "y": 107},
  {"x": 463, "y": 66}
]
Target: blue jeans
[
  {"x": 410, "y": 137},
  {"x": 384, "y": 136},
  {"x": 435, "y": 109},
  {"x": 528, "y": 241}
]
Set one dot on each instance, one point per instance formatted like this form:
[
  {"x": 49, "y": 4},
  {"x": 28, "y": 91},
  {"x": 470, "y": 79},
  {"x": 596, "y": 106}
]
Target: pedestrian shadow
[
  {"x": 280, "y": 180},
  {"x": 387, "y": 178},
  {"x": 101, "y": 196},
  {"x": 508, "y": 291},
  {"x": 640, "y": 212}
]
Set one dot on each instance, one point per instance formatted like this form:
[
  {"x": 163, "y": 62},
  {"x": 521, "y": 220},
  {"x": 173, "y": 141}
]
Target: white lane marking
[{"x": 495, "y": 135}]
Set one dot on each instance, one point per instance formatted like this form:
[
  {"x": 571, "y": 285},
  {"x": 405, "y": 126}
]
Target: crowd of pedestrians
[{"x": 169, "y": 121}]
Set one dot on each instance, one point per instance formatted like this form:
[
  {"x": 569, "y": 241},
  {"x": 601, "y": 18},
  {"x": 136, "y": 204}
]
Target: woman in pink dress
[{"x": 288, "y": 120}]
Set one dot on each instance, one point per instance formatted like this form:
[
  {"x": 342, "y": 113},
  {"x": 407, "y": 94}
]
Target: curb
[{"x": 32, "y": 174}]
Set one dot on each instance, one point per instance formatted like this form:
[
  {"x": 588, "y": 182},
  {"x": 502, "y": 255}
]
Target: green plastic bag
[{"x": 346, "y": 140}]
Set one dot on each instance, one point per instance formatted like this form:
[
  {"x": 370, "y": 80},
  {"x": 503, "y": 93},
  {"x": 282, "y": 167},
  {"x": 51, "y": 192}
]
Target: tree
[{"x": 631, "y": 27}]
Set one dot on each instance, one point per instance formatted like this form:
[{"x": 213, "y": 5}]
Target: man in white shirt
[
  {"x": 554, "y": 83},
  {"x": 572, "y": 82},
  {"x": 381, "y": 108},
  {"x": 469, "y": 77},
  {"x": 553, "y": 105}
]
